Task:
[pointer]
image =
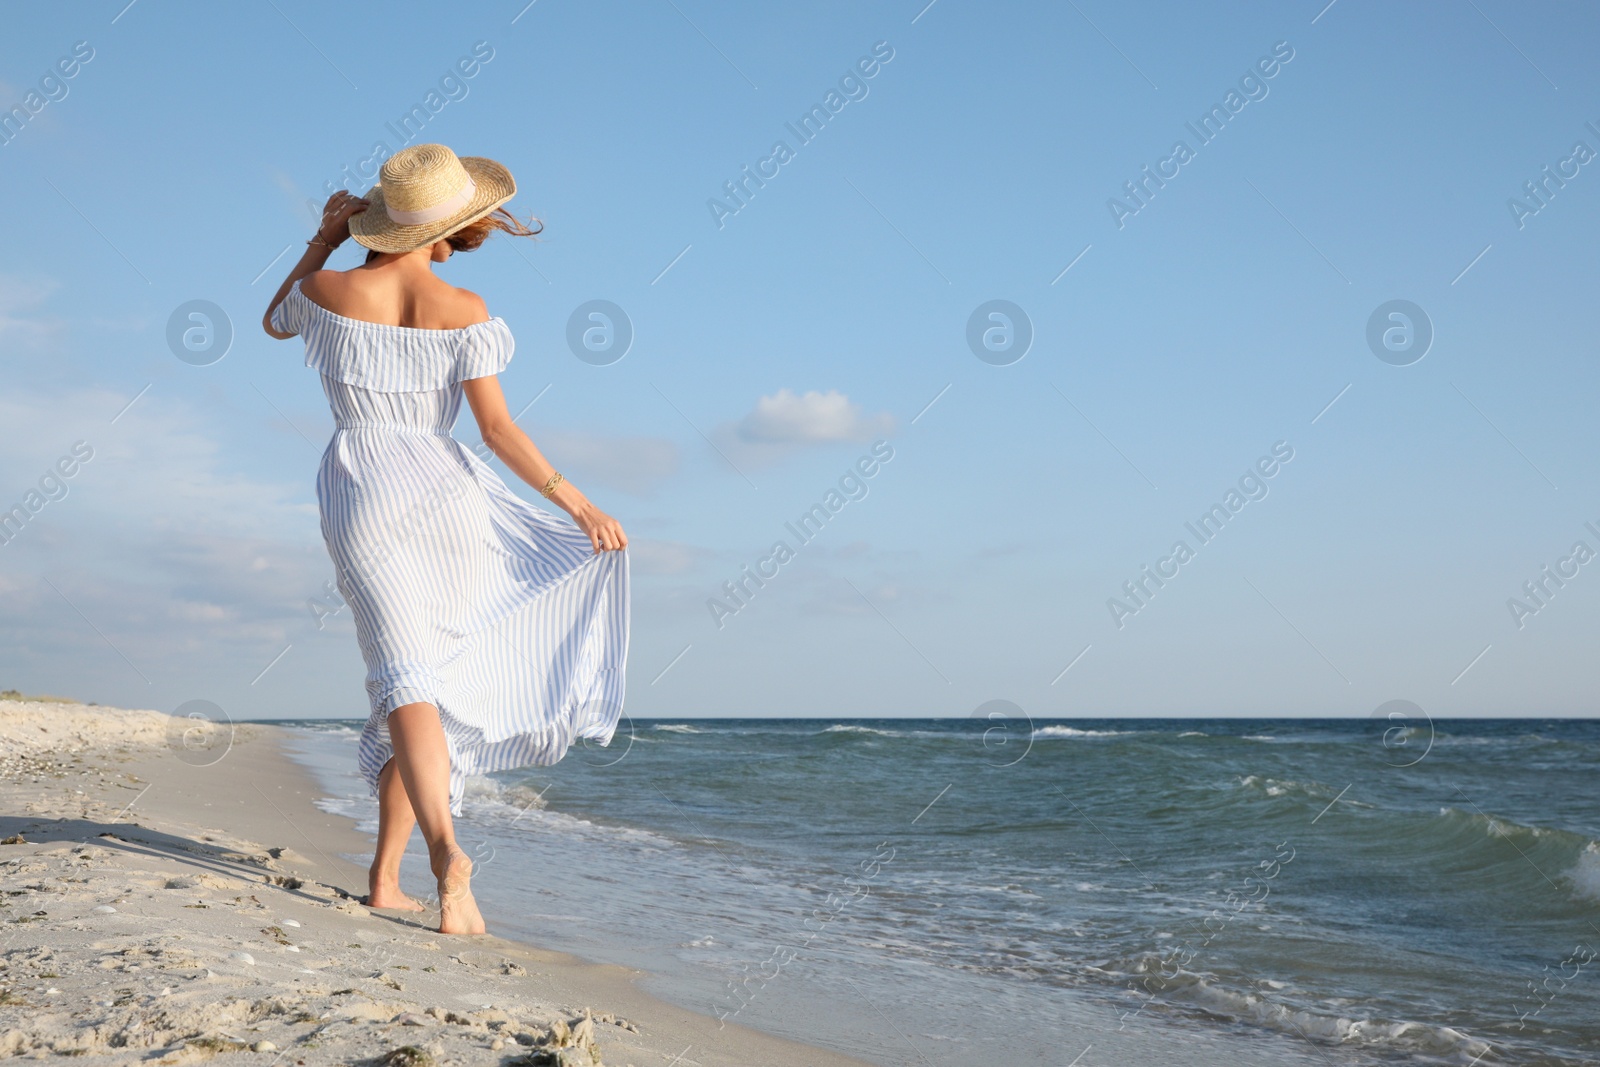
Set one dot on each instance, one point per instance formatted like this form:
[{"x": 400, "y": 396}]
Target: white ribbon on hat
[{"x": 441, "y": 210}]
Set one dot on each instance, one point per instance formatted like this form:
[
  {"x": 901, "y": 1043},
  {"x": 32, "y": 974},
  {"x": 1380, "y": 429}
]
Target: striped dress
[{"x": 496, "y": 612}]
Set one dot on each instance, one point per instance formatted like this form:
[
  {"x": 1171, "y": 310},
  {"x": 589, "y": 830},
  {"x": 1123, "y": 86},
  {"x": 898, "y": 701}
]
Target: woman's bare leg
[
  {"x": 423, "y": 760},
  {"x": 396, "y": 820}
]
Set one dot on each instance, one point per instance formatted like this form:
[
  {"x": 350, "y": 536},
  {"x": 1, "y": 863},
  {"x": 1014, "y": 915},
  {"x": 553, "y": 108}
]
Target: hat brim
[{"x": 372, "y": 227}]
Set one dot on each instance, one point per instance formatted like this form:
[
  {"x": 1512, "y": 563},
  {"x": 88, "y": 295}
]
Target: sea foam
[
  {"x": 1073, "y": 731},
  {"x": 1585, "y": 873}
]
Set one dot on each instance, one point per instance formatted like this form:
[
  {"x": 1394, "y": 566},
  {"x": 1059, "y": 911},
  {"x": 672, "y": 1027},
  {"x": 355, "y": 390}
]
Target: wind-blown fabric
[{"x": 464, "y": 595}]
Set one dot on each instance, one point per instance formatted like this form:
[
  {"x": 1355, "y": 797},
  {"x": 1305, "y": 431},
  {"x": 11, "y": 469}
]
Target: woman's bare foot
[
  {"x": 383, "y": 892},
  {"x": 458, "y": 911},
  {"x": 389, "y": 898}
]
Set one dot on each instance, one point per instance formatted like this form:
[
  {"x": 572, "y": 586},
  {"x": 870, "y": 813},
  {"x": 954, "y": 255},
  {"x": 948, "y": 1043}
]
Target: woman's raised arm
[{"x": 333, "y": 232}]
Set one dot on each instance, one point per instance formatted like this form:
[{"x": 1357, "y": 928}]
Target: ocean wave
[
  {"x": 1073, "y": 731},
  {"x": 510, "y": 794},
  {"x": 1217, "y": 998},
  {"x": 1498, "y": 826},
  {"x": 1585, "y": 873},
  {"x": 1476, "y": 836},
  {"x": 1283, "y": 787},
  {"x": 1271, "y": 786},
  {"x": 497, "y": 815},
  {"x": 333, "y": 727},
  {"x": 676, "y": 728},
  {"x": 853, "y": 728},
  {"x": 1447, "y": 740},
  {"x": 363, "y": 811}
]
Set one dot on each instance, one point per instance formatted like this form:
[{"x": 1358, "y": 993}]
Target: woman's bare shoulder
[
  {"x": 341, "y": 294},
  {"x": 357, "y": 294},
  {"x": 325, "y": 287},
  {"x": 471, "y": 304},
  {"x": 465, "y": 306}
]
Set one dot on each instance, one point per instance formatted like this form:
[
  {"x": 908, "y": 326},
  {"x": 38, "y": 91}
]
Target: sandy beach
[{"x": 160, "y": 907}]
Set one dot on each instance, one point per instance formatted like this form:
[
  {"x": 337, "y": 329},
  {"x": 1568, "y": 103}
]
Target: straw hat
[{"x": 424, "y": 194}]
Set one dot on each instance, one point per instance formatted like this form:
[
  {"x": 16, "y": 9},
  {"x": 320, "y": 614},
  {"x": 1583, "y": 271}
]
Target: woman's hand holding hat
[{"x": 336, "y": 213}]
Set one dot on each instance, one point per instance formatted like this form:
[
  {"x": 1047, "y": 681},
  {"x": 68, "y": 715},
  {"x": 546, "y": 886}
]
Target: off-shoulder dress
[{"x": 464, "y": 595}]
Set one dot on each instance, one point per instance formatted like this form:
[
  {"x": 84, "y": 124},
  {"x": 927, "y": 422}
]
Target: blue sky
[{"x": 831, "y": 311}]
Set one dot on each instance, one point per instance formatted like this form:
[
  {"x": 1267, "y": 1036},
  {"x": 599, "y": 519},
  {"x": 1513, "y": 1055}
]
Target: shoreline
[{"x": 162, "y": 911}]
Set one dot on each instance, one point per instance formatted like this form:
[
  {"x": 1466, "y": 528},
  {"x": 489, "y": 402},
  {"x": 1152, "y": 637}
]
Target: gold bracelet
[
  {"x": 317, "y": 240},
  {"x": 550, "y": 486}
]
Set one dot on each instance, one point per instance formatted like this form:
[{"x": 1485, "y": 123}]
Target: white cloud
[
  {"x": 786, "y": 422},
  {"x": 21, "y": 298},
  {"x": 24, "y": 294},
  {"x": 811, "y": 418}
]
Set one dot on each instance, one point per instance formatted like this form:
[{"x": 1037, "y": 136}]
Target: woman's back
[{"x": 395, "y": 298}]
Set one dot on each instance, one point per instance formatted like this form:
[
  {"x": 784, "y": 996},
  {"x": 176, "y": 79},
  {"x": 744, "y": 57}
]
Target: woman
[{"x": 494, "y": 633}]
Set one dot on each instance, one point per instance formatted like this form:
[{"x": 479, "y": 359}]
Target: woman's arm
[
  {"x": 506, "y": 440},
  {"x": 334, "y": 231}
]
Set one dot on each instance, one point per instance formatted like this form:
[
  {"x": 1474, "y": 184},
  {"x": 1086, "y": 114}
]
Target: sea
[{"x": 1075, "y": 892}]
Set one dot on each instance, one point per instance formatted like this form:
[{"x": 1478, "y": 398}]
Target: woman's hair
[{"x": 474, "y": 234}]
